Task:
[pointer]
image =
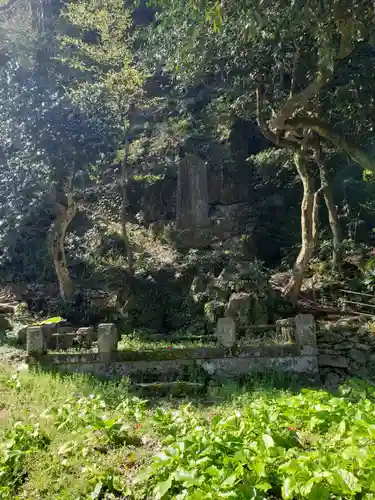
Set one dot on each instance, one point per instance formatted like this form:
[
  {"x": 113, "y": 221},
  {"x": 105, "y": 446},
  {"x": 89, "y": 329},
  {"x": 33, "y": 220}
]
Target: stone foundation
[{"x": 345, "y": 350}]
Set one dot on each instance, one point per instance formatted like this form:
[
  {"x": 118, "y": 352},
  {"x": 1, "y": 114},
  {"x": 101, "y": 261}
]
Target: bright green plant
[
  {"x": 17, "y": 443},
  {"x": 306, "y": 446}
]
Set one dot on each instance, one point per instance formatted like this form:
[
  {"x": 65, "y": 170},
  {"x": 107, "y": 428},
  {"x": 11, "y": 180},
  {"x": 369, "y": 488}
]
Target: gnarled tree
[{"x": 295, "y": 51}]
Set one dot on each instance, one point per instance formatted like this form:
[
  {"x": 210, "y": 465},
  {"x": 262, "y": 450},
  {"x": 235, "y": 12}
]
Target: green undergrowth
[{"x": 77, "y": 438}]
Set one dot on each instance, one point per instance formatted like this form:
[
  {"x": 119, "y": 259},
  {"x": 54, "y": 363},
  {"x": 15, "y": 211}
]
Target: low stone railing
[{"x": 230, "y": 357}]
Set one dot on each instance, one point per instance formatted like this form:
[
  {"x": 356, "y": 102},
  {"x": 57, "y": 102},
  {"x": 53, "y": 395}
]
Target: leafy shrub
[
  {"x": 91, "y": 413},
  {"x": 16, "y": 445}
]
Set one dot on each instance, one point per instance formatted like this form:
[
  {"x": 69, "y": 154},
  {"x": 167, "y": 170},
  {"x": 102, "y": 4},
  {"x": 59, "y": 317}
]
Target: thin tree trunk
[
  {"x": 307, "y": 241},
  {"x": 124, "y": 180},
  {"x": 315, "y": 214},
  {"x": 59, "y": 228},
  {"x": 333, "y": 218}
]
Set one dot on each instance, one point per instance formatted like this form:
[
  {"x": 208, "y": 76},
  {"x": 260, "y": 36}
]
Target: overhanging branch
[
  {"x": 358, "y": 155},
  {"x": 300, "y": 100},
  {"x": 263, "y": 125}
]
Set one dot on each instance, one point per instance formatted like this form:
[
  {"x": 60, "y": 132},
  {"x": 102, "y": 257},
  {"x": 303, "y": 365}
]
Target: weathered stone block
[
  {"x": 358, "y": 356},
  {"x": 327, "y": 336},
  {"x": 362, "y": 347},
  {"x": 49, "y": 331},
  {"x": 332, "y": 380},
  {"x": 192, "y": 193},
  {"x": 107, "y": 339},
  {"x": 333, "y": 361},
  {"x": 226, "y": 332},
  {"x": 305, "y": 333},
  {"x": 35, "y": 341},
  {"x": 342, "y": 346}
]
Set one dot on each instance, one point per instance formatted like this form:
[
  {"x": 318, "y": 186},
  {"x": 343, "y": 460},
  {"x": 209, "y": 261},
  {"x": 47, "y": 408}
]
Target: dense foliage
[
  {"x": 100, "y": 103},
  {"x": 67, "y": 438}
]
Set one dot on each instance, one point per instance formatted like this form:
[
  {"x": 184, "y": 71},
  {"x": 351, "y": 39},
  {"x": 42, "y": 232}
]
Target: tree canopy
[{"x": 96, "y": 94}]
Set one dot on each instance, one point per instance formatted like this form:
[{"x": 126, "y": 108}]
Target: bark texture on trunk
[
  {"x": 64, "y": 217},
  {"x": 307, "y": 222},
  {"x": 124, "y": 180},
  {"x": 333, "y": 218}
]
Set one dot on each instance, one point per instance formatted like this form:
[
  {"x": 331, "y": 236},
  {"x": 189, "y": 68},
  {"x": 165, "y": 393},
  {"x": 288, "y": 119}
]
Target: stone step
[
  {"x": 176, "y": 388},
  {"x": 160, "y": 337},
  {"x": 151, "y": 377}
]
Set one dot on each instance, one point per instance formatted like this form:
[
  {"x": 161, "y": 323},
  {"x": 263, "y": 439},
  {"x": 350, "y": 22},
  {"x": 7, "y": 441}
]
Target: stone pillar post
[
  {"x": 226, "y": 332},
  {"x": 305, "y": 334},
  {"x": 35, "y": 345},
  {"x": 192, "y": 193},
  {"x": 49, "y": 338},
  {"x": 107, "y": 340},
  {"x": 285, "y": 329}
]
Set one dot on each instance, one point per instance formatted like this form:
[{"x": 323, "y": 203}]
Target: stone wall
[
  {"x": 345, "y": 349},
  {"x": 229, "y": 358}
]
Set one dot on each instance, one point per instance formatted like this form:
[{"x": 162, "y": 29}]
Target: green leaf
[
  {"x": 161, "y": 488},
  {"x": 189, "y": 477},
  {"x": 229, "y": 481},
  {"x": 97, "y": 491},
  {"x": 264, "y": 486},
  {"x": 268, "y": 441},
  {"x": 287, "y": 489},
  {"x": 348, "y": 481},
  {"x": 213, "y": 471}
]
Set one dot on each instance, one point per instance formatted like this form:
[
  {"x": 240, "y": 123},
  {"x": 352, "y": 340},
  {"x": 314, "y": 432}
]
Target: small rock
[
  {"x": 334, "y": 361},
  {"x": 358, "y": 356}
]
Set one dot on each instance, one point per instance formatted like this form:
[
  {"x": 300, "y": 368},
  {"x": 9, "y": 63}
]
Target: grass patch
[{"x": 76, "y": 438}]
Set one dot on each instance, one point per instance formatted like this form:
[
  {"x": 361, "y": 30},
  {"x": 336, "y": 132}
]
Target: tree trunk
[
  {"x": 307, "y": 241},
  {"x": 59, "y": 228},
  {"x": 315, "y": 214},
  {"x": 332, "y": 214},
  {"x": 124, "y": 179}
]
